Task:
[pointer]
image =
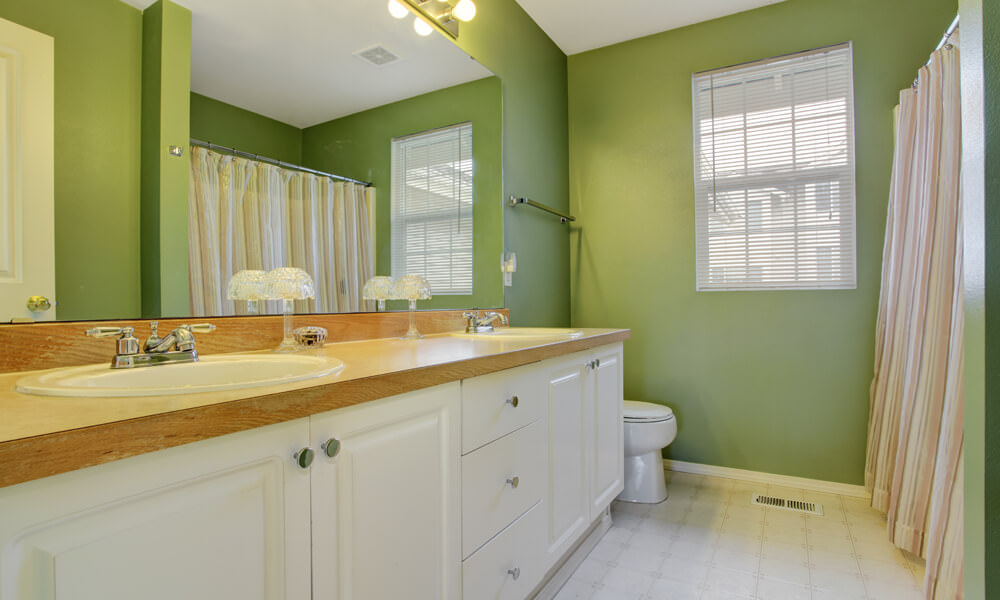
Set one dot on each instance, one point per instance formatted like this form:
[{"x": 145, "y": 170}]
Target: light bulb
[
  {"x": 465, "y": 10},
  {"x": 397, "y": 9},
  {"x": 420, "y": 27}
]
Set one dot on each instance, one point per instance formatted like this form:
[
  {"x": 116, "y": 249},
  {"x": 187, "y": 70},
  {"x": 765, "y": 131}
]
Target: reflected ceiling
[{"x": 255, "y": 54}]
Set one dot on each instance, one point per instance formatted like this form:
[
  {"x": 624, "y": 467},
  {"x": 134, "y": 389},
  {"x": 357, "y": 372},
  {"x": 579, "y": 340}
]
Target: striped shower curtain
[
  {"x": 246, "y": 214},
  {"x": 914, "y": 459}
]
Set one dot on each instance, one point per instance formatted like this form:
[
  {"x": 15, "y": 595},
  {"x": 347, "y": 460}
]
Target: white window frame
[
  {"x": 445, "y": 258},
  {"x": 767, "y": 260}
]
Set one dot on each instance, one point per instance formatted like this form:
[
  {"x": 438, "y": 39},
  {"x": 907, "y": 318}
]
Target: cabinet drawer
[
  {"x": 487, "y": 574},
  {"x": 490, "y": 500},
  {"x": 494, "y": 405}
]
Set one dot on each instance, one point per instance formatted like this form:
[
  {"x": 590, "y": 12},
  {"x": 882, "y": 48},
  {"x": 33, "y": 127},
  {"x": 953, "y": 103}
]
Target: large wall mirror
[{"x": 334, "y": 87}]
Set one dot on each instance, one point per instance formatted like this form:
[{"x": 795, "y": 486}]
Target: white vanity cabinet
[
  {"x": 473, "y": 489},
  {"x": 386, "y": 507},
  {"x": 585, "y": 445},
  {"x": 222, "y": 518}
]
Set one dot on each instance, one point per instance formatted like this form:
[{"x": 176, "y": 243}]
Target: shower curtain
[
  {"x": 914, "y": 459},
  {"x": 246, "y": 214}
]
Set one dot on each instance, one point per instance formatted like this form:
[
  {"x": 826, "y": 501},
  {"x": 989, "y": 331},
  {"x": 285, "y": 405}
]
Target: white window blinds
[
  {"x": 432, "y": 208},
  {"x": 774, "y": 173}
]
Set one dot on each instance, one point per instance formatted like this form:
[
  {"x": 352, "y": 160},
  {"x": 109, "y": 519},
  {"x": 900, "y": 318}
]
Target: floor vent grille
[{"x": 783, "y": 503}]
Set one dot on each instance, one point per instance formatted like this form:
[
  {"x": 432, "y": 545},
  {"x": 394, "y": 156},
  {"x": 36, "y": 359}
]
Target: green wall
[
  {"x": 359, "y": 146},
  {"x": 166, "y": 90},
  {"x": 227, "y": 125},
  {"x": 533, "y": 71},
  {"x": 768, "y": 381},
  {"x": 97, "y": 136}
]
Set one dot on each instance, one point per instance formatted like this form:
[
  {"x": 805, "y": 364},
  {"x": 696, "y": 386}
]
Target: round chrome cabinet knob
[
  {"x": 304, "y": 457},
  {"x": 514, "y": 482},
  {"x": 331, "y": 447},
  {"x": 515, "y": 572},
  {"x": 512, "y": 401}
]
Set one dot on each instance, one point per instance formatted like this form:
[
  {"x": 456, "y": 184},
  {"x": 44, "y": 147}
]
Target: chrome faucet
[
  {"x": 176, "y": 347},
  {"x": 482, "y": 322}
]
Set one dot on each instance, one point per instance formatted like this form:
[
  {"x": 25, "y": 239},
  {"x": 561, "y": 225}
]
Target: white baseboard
[{"x": 814, "y": 485}]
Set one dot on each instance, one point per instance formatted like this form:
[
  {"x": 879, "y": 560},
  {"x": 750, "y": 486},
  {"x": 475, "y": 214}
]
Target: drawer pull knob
[
  {"x": 304, "y": 457},
  {"x": 512, "y": 401},
  {"x": 515, "y": 572},
  {"x": 514, "y": 482},
  {"x": 331, "y": 447}
]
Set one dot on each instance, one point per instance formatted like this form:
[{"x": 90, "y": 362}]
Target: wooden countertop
[{"x": 47, "y": 435}]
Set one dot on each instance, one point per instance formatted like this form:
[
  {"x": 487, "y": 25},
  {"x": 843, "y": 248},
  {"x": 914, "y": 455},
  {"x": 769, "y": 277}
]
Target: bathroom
[{"x": 767, "y": 382}]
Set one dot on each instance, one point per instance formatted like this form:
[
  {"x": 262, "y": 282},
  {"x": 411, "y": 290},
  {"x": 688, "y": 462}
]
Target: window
[
  {"x": 774, "y": 173},
  {"x": 432, "y": 208}
]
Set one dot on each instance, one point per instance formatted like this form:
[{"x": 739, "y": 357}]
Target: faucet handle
[
  {"x": 101, "y": 332},
  {"x": 127, "y": 342}
]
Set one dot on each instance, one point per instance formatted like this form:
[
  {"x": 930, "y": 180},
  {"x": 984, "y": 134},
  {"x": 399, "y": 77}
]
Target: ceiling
[
  {"x": 581, "y": 25},
  {"x": 294, "y": 60}
]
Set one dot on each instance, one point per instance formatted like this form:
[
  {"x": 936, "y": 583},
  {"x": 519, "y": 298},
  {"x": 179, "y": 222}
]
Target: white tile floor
[{"x": 707, "y": 541}]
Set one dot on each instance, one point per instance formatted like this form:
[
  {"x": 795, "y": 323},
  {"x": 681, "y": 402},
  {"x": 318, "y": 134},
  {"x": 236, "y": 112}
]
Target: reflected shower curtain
[
  {"x": 914, "y": 459},
  {"x": 245, "y": 214}
]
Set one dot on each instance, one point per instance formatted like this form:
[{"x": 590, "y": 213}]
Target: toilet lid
[{"x": 644, "y": 412}]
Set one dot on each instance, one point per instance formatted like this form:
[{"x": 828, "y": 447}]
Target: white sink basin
[
  {"x": 212, "y": 373},
  {"x": 553, "y": 334}
]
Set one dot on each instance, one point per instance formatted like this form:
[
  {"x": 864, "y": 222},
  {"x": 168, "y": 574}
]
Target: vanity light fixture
[
  {"x": 288, "y": 284},
  {"x": 442, "y": 15},
  {"x": 412, "y": 288},
  {"x": 422, "y": 28},
  {"x": 397, "y": 10}
]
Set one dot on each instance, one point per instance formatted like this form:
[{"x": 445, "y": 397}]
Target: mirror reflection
[{"x": 295, "y": 88}]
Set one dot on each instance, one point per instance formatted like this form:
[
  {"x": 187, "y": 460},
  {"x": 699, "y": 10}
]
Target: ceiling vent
[
  {"x": 786, "y": 504},
  {"x": 377, "y": 55}
]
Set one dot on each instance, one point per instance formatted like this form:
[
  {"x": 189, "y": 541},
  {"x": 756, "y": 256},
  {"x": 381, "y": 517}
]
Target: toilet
[{"x": 648, "y": 429}]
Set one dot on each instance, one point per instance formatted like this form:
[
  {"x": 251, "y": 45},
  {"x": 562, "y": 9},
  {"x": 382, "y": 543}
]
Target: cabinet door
[
  {"x": 387, "y": 507},
  {"x": 605, "y": 429},
  {"x": 567, "y": 502},
  {"x": 222, "y": 518}
]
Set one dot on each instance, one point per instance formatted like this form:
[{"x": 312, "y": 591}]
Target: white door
[
  {"x": 605, "y": 431},
  {"x": 387, "y": 506},
  {"x": 27, "y": 252},
  {"x": 225, "y": 518},
  {"x": 567, "y": 501}
]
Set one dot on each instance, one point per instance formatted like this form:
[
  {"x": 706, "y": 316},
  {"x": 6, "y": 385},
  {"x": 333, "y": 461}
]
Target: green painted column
[{"x": 166, "y": 95}]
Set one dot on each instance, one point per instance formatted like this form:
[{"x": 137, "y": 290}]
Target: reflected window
[
  {"x": 774, "y": 173},
  {"x": 432, "y": 208}
]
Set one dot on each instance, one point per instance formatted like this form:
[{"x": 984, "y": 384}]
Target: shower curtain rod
[
  {"x": 274, "y": 161},
  {"x": 947, "y": 34},
  {"x": 944, "y": 41}
]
